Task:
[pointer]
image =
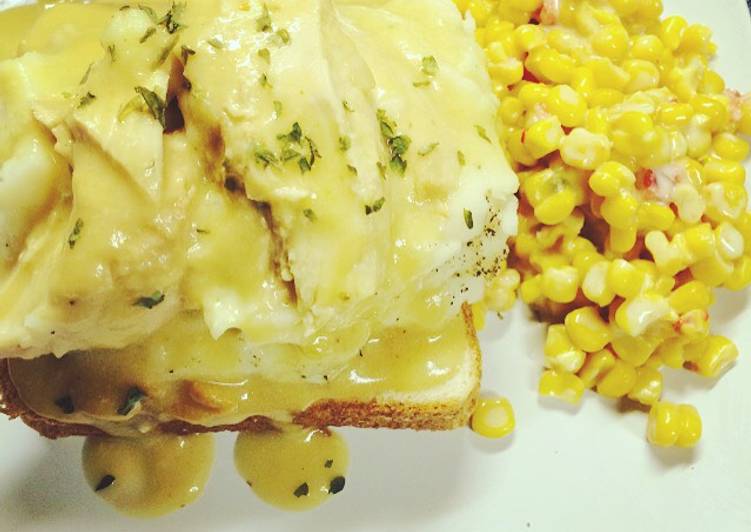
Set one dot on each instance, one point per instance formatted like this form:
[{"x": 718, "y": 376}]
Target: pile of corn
[{"x": 633, "y": 199}]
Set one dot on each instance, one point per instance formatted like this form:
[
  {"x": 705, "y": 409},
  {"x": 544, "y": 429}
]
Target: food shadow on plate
[
  {"x": 673, "y": 457},
  {"x": 51, "y": 489},
  {"x": 729, "y": 306}
]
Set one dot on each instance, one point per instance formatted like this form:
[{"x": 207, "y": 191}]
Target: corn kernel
[
  {"x": 583, "y": 81},
  {"x": 731, "y": 147},
  {"x": 528, "y": 36},
  {"x": 549, "y": 64},
  {"x": 565, "y": 103},
  {"x": 610, "y": 178},
  {"x": 713, "y": 271},
  {"x": 635, "y": 350},
  {"x": 560, "y": 284},
  {"x": 730, "y": 243},
  {"x": 691, "y": 426},
  {"x": 531, "y": 290},
  {"x": 585, "y": 150},
  {"x": 639, "y": 313},
  {"x": 714, "y": 107},
  {"x": 611, "y": 41},
  {"x": 719, "y": 355},
  {"x": 587, "y": 330},
  {"x": 671, "y": 32},
  {"x": 648, "y": 386},
  {"x": 517, "y": 150},
  {"x": 620, "y": 210},
  {"x": 618, "y": 381},
  {"x": 741, "y": 277},
  {"x": 544, "y": 137},
  {"x": 644, "y": 75},
  {"x": 675, "y": 114},
  {"x": 565, "y": 386},
  {"x": 532, "y": 94},
  {"x": 725, "y": 170},
  {"x": 671, "y": 424},
  {"x": 697, "y": 39},
  {"x": 691, "y": 296},
  {"x": 712, "y": 83},
  {"x": 700, "y": 241},
  {"x": 500, "y": 294},
  {"x": 607, "y": 74},
  {"x": 653, "y": 216},
  {"x": 560, "y": 352},
  {"x": 672, "y": 352},
  {"x": 511, "y": 111},
  {"x": 595, "y": 285},
  {"x": 625, "y": 279},
  {"x": 691, "y": 205},
  {"x": 597, "y": 366},
  {"x": 556, "y": 208},
  {"x": 648, "y": 48},
  {"x": 493, "y": 418}
]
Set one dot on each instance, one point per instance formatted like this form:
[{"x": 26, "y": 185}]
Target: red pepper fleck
[
  {"x": 645, "y": 179},
  {"x": 524, "y": 135},
  {"x": 528, "y": 76}
]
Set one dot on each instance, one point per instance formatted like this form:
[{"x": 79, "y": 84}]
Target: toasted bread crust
[{"x": 326, "y": 413}]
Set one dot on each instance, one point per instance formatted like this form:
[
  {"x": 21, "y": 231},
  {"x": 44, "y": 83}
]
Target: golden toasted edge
[{"x": 447, "y": 415}]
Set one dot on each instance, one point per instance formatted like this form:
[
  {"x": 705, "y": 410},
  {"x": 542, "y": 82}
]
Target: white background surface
[{"x": 586, "y": 470}]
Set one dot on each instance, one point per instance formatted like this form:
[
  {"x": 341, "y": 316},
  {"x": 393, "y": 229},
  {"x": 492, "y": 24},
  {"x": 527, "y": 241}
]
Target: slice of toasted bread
[{"x": 443, "y": 408}]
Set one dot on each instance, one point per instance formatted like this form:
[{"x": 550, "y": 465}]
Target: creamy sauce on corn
[
  {"x": 148, "y": 476},
  {"x": 294, "y": 468}
]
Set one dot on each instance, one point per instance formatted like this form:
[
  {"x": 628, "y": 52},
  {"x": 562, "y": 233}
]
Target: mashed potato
[{"x": 301, "y": 173}]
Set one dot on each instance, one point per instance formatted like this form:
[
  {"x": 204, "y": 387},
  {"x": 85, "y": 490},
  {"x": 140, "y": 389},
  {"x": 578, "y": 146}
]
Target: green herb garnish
[
  {"x": 265, "y": 157},
  {"x": 155, "y": 104},
  {"x": 302, "y": 490},
  {"x": 310, "y": 215},
  {"x": 483, "y": 134},
  {"x": 263, "y": 23},
  {"x": 86, "y": 75},
  {"x": 420, "y": 84},
  {"x": 65, "y": 404},
  {"x": 377, "y": 206},
  {"x": 398, "y": 144},
  {"x": 264, "y": 54},
  {"x": 469, "y": 220},
  {"x": 328, "y": 463},
  {"x": 347, "y": 106},
  {"x": 215, "y": 43},
  {"x": 105, "y": 483},
  {"x": 86, "y": 99},
  {"x": 265, "y": 81},
  {"x": 75, "y": 235},
  {"x": 132, "y": 399},
  {"x": 149, "y": 302},
  {"x": 345, "y": 143},
  {"x": 337, "y": 485},
  {"x": 284, "y": 36},
  {"x": 429, "y": 66},
  {"x": 146, "y": 36},
  {"x": 111, "y": 52},
  {"x": 352, "y": 169},
  {"x": 169, "y": 21},
  {"x": 428, "y": 150},
  {"x": 461, "y": 158},
  {"x": 185, "y": 53},
  {"x": 278, "y": 108}
]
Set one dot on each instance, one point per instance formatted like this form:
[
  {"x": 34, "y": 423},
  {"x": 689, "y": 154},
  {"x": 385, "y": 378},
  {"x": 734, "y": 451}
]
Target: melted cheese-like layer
[{"x": 334, "y": 176}]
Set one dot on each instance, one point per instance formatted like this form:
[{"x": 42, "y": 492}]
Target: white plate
[{"x": 562, "y": 470}]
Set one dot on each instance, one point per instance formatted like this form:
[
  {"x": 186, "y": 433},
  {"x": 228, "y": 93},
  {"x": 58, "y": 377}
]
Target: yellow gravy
[
  {"x": 183, "y": 374},
  {"x": 149, "y": 476},
  {"x": 294, "y": 468}
]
